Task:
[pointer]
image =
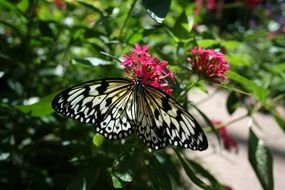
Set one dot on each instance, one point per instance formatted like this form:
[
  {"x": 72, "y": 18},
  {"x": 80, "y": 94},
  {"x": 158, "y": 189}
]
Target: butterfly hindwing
[
  {"x": 107, "y": 103},
  {"x": 149, "y": 131},
  {"x": 174, "y": 125}
]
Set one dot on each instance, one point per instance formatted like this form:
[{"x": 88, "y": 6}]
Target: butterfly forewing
[
  {"x": 174, "y": 124},
  {"x": 107, "y": 103}
]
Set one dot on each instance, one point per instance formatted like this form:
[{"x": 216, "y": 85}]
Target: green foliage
[
  {"x": 39, "y": 109},
  {"x": 47, "y": 46},
  {"x": 261, "y": 160}
]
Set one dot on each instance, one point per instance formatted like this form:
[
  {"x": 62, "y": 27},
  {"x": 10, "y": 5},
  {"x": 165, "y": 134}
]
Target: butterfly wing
[
  {"x": 166, "y": 122},
  {"x": 107, "y": 103},
  {"x": 148, "y": 131}
]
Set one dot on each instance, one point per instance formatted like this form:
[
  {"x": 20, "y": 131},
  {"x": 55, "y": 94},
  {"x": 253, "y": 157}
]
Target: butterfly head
[{"x": 138, "y": 81}]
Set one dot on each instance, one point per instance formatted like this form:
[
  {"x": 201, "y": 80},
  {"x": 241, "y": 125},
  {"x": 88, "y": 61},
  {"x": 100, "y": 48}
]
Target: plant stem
[
  {"x": 126, "y": 20},
  {"x": 206, "y": 98},
  {"x": 208, "y": 129},
  {"x": 188, "y": 88}
]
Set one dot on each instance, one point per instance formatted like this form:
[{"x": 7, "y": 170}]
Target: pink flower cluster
[
  {"x": 153, "y": 72},
  {"x": 209, "y": 64}
]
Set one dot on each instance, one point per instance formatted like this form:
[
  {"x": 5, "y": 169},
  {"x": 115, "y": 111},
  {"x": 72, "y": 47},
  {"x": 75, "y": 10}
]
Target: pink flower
[
  {"x": 211, "y": 5},
  {"x": 228, "y": 142},
  {"x": 60, "y": 4},
  {"x": 153, "y": 72},
  {"x": 283, "y": 28},
  {"x": 209, "y": 64},
  {"x": 198, "y": 7}
]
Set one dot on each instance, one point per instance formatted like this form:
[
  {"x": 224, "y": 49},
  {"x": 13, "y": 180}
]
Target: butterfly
[{"x": 119, "y": 107}]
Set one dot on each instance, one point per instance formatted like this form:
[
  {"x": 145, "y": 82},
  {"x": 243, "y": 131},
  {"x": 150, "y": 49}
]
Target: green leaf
[
  {"x": 231, "y": 44},
  {"x": 158, "y": 174},
  {"x": 192, "y": 175},
  {"x": 203, "y": 172},
  {"x": 98, "y": 140},
  {"x": 239, "y": 60},
  {"x": 261, "y": 160},
  {"x": 232, "y": 102},
  {"x": 279, "y": 120},
  {"x": 259, "y": 92},
  {"x": 277, "y": 69},
  {"x": 84, "y": 181},
  {"x": 23, "y": 5},
  {"x": 170, "y": 166},
  {"x": 207, "y": 43},
  {"x": 117, "y": 183},
  {"x": 39, "y": 109},
  {"x": 123, "y": 170},
  {"x": 157, "y": 10},
  {"x": 182, "y": 27},
  {"x": 135, "y": 36},
  {"x": 6, "y": 5}
]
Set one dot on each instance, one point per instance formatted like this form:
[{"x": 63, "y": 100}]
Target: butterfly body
[{"x": 119, "y": 107}]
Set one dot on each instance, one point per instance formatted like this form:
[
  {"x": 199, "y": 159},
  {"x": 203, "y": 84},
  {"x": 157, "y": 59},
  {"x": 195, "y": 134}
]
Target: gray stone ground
[{"x": 234, "y": 169}]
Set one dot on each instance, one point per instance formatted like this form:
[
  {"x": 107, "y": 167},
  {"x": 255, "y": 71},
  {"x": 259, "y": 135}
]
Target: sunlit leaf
[
  {"x": 117, "y": 183},
  {"x": 135, "y": 36},
  {"x": 207, "y": 43},
  {"x": 39, "y": 109},
  {"x": 277, "y": 69},
  {"x": 98, "y": 140},
  {"x": 238, "y": 60},
  {"x": 23, "y": 5},
  {"x": 231, "y": 44},
  {"x": 182, "y": 27},
  {"x": 261, "y": 160}
]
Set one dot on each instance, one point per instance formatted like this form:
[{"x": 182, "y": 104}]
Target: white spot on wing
[
  {"x": 86, "y": 100},
  {"x": 77, "y": 99},
  {"x": 73, "y": 94}
]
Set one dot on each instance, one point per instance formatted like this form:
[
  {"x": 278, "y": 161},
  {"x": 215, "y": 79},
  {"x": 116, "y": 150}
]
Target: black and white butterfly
[{"x": 118, "y": 107}]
